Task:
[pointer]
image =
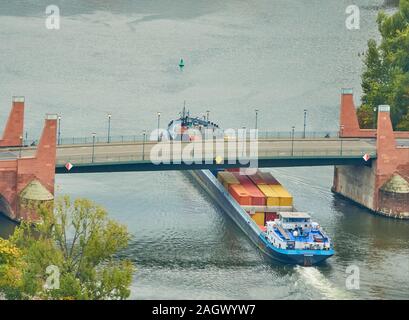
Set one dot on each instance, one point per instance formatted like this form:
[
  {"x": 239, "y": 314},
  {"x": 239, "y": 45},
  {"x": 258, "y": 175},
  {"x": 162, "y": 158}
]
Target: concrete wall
[{"x": 355, "y": 183}]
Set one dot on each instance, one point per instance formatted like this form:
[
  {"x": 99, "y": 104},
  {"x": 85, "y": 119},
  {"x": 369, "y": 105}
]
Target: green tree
[
  {"x": 386, "y": 76},
  {"x": 77, "y": 238},
  {"x": 11, "y": 266}
]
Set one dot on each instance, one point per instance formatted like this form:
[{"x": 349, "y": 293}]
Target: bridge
[
  {"x": 370, "y": 165},
  {"x": 271, "y": 152}
]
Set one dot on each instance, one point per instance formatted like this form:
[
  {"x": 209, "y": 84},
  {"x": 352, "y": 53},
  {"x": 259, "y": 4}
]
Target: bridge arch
[{"x": 5, "y": 207}]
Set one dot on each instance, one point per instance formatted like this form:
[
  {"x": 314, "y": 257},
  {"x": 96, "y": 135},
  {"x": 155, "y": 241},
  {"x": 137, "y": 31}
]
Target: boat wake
[{"x": 313, "y": 277}]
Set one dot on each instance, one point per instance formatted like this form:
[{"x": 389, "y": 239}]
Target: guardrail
[{"x": 141, "y": 137}]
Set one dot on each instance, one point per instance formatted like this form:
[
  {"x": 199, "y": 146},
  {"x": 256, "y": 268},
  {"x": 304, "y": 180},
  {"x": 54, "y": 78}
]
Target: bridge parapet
[
  {"x": 349, "y": 124},
  {"x": 13, "y": 132}
]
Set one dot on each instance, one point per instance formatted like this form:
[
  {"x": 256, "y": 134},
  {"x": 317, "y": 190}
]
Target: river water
[{"x": 277, "y": 56}]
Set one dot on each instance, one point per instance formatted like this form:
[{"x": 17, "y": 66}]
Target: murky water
[{"x": 277, "y": 56}]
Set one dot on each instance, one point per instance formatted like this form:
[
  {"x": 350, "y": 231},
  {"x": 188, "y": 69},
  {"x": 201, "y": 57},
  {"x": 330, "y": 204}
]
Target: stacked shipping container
[
  {"x": 257, "y": 197},
  {"x": 261, "y": 191},
  {"x": 226, "y": 179}
]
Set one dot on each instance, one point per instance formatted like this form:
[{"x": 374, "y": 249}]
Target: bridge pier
[
  {"x": 27, "y": 180},
  {"x": 384, "y": 187}
]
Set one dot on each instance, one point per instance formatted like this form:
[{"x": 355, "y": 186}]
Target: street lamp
[
  {"x": 143, "y": 144},
  {"x": 59, "y": 130},
  {"x": 305, "y": 121},
  {"x": 292, "y": 140},
  {"x": 21, "y": 145},
  {"x": 241, "y": 140},
  {"x": 158, "y": 125},
  {"x": 109, "y": 127},
  {"x": 342, "y": 133},
  {"x": 374, "y": 117},
  {"x": 207, "y": 115},
  {"x": 93, "y": 146},
  {"x": 256, "y": 110}
]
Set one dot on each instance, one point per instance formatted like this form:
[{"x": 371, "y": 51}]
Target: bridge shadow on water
[{"x": 7, "y": 226}]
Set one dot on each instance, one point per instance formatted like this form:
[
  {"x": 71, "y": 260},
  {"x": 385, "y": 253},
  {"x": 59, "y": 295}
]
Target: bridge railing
[
  {"x": 262, "y": 134},
  {"x": 269, "y": 154}
]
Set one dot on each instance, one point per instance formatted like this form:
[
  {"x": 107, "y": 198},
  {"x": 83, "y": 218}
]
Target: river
[{"x": 280, "y": 56}]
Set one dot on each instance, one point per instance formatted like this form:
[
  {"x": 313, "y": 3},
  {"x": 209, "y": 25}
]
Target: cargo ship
[{"x": 263, "y": 209}]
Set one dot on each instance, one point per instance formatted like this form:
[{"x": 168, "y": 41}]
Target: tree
[
  {"x": 11, "y": 266},
  {"x": 77, "y": 246},
  {"x": 386, "y": 76}
]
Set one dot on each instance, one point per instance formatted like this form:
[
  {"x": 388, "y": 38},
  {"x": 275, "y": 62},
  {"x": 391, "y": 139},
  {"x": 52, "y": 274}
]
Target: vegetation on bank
[
  {"x": 386, "y": 76},
  {"x": 70, "y": 254}
]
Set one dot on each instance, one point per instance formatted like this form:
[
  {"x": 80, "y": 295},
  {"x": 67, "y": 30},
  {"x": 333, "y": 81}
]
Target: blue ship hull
[
  {"x": 301, "y": 257},
  {"x": 213, "y": 187}
]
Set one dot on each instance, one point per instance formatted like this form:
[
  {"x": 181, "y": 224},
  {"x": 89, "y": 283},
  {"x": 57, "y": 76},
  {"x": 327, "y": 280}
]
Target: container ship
[{"x": 262, "y": 208}]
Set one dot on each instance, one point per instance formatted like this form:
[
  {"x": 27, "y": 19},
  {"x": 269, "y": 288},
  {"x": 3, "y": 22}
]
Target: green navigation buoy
[{"x": 181, "y": 64}]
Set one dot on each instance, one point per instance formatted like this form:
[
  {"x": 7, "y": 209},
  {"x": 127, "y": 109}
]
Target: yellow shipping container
[
  {"x": 227, "y": 178},
  {"x": 286, "y": 199},
  {"x": 272, "y": 197},
  {"x": 258, "y": 218}
]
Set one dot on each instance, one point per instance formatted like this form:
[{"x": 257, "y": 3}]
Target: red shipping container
[
  {"x": 239, "y": 193},
  {"x": 271, "y": 216},
  {"x": 242, "y": 178},
  {"x": 257, "y": 197},
  {"x": 268, "y": 178},
  {"x": 257, "y": 178}
]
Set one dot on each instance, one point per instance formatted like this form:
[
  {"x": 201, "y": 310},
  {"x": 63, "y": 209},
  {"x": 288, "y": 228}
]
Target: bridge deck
[{"x": 271, "y": 153}]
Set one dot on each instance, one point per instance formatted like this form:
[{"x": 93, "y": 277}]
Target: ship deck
[{"x": 308, "y": 235}]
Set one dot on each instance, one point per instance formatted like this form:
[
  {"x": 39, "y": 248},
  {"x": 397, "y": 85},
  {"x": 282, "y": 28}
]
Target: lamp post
[
  {"x": 93, "y": 146},
  {"x": 292, "y": 140},
  {"x": 109, "y": 127},
  {"x": 342, "y": 133},
  {"x": 59, "y": 130},
  {"x": 207, "y": 115},
  {"x": 305, "y": 122},
  {"x": 242, "y": 142},
  {"x": 21, "y": 145},
  {"x": 158, "y": 125},
  {"x": 244, "y": 129},
  {"x": 374, "y": 117},
  {"x": 256, "y": 111},
  {"x": 143, "y": 144}
]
